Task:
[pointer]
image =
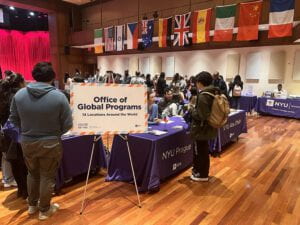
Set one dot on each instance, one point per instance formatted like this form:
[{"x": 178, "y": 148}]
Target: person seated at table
[
  {"x": 280, "y": 92},
  {"x": 152, "y": 109},
  {"x": 167, "y": 107},
  {"x": 201, "y": 131}
]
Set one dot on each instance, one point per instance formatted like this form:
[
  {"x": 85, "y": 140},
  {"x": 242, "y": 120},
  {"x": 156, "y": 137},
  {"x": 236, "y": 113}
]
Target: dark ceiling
[{"x": 20, "y": 19}]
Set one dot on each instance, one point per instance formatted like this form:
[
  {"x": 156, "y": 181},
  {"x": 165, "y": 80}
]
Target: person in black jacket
[
  {"x": 220, "y": 83},
  {"x": 161, "y": 85},
  {"x": 235, "y": 88},
  {"x": 14, "y": 152},
  {"x": 201, "y": 131}
]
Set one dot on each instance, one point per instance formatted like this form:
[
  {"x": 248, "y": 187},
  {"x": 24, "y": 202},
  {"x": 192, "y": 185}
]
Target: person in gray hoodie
[{"x": 43, "y": 114}]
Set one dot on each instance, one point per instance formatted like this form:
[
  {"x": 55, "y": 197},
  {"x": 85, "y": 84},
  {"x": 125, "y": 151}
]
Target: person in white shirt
[
  {"x": 137, "y": 79},
  {"x": 280, "y": 92}
]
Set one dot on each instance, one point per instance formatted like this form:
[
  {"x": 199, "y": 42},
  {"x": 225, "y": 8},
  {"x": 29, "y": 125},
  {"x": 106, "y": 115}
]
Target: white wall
[{"x": 192, "y": 62}]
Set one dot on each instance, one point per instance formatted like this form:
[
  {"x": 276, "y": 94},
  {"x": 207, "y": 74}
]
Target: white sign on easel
[
  {"x": 108, "y": 108},
  {"x": 101, "y": 109}
]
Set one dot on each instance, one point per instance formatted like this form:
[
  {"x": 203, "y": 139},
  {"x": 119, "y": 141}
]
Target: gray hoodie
[{"x": 41, "y": 111}]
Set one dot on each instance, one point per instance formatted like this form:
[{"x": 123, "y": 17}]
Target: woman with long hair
[{"x": 235, "y": 89}]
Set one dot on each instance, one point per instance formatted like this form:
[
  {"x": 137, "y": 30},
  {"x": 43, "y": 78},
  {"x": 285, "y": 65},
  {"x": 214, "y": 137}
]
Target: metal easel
[{"x": 96, "y": 139}]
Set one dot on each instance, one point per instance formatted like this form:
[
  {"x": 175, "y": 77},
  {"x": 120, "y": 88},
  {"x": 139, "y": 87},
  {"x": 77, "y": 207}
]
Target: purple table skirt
[
  {"x": 76, "y": 155},
  {"x": 156, "y": 158},
  {"x": 247, "y": 103},
  {"x": 236, "y": 125},
  {"x": 279, "y": 107}
]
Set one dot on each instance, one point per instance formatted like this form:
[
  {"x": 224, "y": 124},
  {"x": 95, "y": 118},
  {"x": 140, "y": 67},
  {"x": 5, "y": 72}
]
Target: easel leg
[
  {"x": 88, "y": 174},
  {"x": 133, "y": 173}
]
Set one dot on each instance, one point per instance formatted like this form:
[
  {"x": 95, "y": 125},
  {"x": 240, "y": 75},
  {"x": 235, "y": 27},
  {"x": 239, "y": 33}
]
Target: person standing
[
  {"x": 236, "y": 88},
  {"x": 201, "y": 130},
  {"x": 161, "y": 85},
  {"x": 220, "y": 83},
  {"x": 43, "y": 114},
  {"x": 14, "y": 152}
]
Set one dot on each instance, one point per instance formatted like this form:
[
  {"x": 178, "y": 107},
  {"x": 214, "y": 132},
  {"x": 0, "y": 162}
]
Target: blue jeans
[{"x": 7, "y": 174}]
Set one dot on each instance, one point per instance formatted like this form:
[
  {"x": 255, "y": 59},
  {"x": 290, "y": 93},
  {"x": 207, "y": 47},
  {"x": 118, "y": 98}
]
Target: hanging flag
[
  {"x": 249, "y": 21},
  {"x": 119, "y": 39},
  {"x": 109, "y": 34},
  {"x": 1, "y": 16},
  {"x": 132, "y": 35},
  {"x": 98, "y": 41},
  {"x": 181, "y": 29},
  {"x": 281, "y": 18},
  {"x": 201, "y": 26},
  {"x": 225, "y": 16},
  {"x": 164, "y": 32},
  {"x": 147, "y": 32}
]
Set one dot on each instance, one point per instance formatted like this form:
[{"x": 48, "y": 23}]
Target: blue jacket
[
  {"x": 41, "y": 112},
  {"x": 153, "y": 113}
]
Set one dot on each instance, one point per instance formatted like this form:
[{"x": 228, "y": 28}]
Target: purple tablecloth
[
  {"x": 247, "y": 103},
  {"x": 235, "y": 126},
  {"x": 154, "y": 157},
  {"x": 76, "y": 154},
  {"x": 279, "y": 107}
]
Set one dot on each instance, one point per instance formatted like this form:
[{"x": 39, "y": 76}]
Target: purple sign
[{"x": 279, "y": 107}]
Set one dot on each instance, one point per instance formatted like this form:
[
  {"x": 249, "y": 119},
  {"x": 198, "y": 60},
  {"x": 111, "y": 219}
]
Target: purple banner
[
  {"x": 154, "y": 157},
  {"x": 76, "y": 154},
  {"x": 247, "y": 103},
  {"x": 236, "y": 125},
  {"x": 279, "y": 107}
]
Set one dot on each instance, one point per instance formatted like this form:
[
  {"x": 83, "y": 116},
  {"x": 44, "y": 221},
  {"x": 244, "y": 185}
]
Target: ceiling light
[
  {"x": 11, "y": 8},
  {"x": 31, "y": 13}
]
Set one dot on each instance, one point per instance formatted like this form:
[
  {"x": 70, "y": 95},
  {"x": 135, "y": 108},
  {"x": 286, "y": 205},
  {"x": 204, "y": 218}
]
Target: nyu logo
[
  {"x": 281, "y": 104},
  {"x": 176, "y": 165},
  {"x": 273, "y": 103},
  {"x": 270, "y": 103}
]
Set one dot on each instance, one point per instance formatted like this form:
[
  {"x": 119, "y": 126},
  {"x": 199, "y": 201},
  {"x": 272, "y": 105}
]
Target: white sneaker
[
  {"x": 10, "y": 184},
  {"x": 45, "y": 215},
  {"x": 32, "y": 210},
  {"x": 197, "y": 178}
]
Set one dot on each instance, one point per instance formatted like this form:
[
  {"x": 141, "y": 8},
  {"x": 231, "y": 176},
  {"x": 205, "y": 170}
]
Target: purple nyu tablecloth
[
  {"x": 235, "y": 126},
  {"x": 279, "y": 107},
  {"x": 76, "y": 154},
  {"x": 247, "y": 103},
  {"x": 154, "y": 157}
]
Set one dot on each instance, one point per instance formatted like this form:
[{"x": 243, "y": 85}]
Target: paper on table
[
  {"x": 178, "y": 127},
  {"x": 169, "y": 121},
  {"x": 157, "y": 132}
]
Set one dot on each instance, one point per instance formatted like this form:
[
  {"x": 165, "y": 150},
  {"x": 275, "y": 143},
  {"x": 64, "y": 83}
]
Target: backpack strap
[{"x": 208, "y": 93}]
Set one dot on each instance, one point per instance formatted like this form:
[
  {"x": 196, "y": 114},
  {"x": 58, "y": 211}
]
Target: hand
[{"x": 156, "y": 120}]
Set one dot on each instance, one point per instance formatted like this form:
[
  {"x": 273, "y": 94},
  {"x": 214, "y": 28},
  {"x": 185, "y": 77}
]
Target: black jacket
[{"x": 200, "y": 129}]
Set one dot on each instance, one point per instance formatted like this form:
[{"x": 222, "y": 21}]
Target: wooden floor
[{"x": 256, "y": 181}]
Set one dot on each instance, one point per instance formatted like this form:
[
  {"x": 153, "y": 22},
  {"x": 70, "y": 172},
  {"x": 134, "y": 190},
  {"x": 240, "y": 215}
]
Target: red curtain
[{"x": 20, "y": 51}]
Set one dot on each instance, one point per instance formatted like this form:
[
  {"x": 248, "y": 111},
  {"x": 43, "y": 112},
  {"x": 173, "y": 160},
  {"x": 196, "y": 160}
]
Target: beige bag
[{"x": 219, "y": 112}]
